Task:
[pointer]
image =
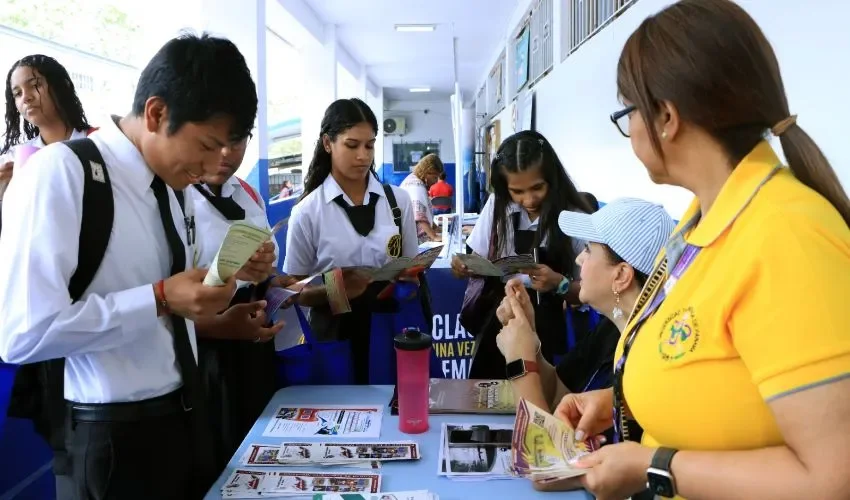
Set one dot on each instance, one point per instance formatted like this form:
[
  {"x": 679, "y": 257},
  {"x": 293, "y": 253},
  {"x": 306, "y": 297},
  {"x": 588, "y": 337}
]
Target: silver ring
[{"x": 258, "y": 340}]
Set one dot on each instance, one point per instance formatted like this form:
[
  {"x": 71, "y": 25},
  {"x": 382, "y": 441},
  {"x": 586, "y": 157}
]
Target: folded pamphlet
[
  {"x": 409, "y": 266},
  {"x": 506, "y": 266},
  {"x": 240, "y": 243},
  {"x": 544, "y": 448},
  {"x": 453, "y": 396}
]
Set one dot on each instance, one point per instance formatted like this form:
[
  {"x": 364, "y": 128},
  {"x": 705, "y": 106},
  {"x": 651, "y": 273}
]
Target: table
[{"x": 399, "y": 476}]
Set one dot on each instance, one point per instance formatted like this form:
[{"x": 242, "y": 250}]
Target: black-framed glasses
[{"x": 621, "y": 119}]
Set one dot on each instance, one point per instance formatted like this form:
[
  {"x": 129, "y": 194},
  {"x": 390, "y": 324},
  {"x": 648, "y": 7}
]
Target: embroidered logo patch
[
  {"x": 394, "y": 246},
  {"x": 679, "y": 335}
]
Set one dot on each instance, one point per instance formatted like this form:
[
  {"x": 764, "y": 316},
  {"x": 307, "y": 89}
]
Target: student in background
[
  {"x": 531, "y": 187},
  {"x": 441, "y": 189},
  {"x": 134, "y": 411},
  {"x": 738, "y": 369},
  {"x": 345, "y": 219},
  {"x": 235, "y": 355},
  {"x": 424, "y": 175},
  {"x": 623, "y": 239},
  {"x": 39, "y": 90}
]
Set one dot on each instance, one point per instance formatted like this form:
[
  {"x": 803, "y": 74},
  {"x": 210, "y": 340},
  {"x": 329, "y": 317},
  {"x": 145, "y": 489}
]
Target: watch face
[
  {"x": 661, "y": 484},
  {"x": 515, "y": 369}
]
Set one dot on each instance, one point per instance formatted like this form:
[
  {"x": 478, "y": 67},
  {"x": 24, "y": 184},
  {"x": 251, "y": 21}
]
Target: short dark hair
[
  {"x": 198, "y": 78},
  {"x": 61, "y": 90},
  {"x": 443, "y": 175}
]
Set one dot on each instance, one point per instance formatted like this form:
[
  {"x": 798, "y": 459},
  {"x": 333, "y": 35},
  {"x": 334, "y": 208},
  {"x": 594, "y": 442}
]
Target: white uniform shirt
[
  {"x": 116, "y": 348},
  {"x": 320, "y": 236},
  {"x": 39, "y": 142},
  {"x": 479, "y": 239},
  {"x": 212, "y": 226}
]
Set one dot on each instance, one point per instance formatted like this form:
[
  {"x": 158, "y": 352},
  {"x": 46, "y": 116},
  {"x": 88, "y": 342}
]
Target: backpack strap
[
  {"x": 39, "y": 391},
  {"x": 388, "y": 190},
  {"x": 98, "y": 214},
  {"x": 424, "y": 292},
  {"x": 248, "y": 189}
]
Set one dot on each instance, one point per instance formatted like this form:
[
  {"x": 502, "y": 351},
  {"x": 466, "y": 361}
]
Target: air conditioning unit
[{"x": 395, "y": 126}]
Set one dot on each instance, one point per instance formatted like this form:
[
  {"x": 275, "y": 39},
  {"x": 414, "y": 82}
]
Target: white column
[
  {"x": 246, "y": 27},
  {"x": 320, "y": 91},
  {"x": 362, "y": 84}
]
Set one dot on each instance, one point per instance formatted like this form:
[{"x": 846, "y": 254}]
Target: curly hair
[
  {"x": 60, "y": 89},
  {"x": 428, "y": 163}
]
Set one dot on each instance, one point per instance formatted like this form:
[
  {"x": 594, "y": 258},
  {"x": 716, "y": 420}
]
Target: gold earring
[{"x": 664, "y": 135}]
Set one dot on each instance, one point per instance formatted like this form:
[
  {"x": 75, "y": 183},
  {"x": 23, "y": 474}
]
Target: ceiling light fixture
[
  {"x": 420, "y": 89},
  {"x": 417, "y": 28}
]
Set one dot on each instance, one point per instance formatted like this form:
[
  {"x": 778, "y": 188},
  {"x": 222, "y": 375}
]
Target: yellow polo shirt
[{"x": 762, "y": 312}]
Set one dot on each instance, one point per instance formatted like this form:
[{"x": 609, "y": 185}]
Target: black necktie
[
  {"x": 193, "y": 399},
  {"x": 362, "y": 217},
  {"x": 225, "y": 205}
]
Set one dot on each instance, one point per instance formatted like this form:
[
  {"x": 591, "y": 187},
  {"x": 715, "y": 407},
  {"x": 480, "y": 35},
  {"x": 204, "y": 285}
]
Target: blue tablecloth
[{"x": 399, "y": 476}]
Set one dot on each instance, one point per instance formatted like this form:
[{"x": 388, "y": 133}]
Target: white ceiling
[{"x": 398, "y": 61}]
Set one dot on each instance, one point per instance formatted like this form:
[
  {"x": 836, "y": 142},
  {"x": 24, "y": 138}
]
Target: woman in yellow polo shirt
[{"x": 738, "y": 351}]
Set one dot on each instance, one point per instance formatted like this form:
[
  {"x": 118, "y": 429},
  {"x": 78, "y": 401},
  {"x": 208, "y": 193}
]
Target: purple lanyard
[{"x": 684, "y": 261}]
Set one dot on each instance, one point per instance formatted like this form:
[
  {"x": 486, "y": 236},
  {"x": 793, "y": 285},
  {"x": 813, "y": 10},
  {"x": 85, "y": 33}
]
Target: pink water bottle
[{"x": 413, "y": 355}]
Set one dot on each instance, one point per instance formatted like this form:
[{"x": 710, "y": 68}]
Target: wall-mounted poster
[{"x": 521, "y": 57}]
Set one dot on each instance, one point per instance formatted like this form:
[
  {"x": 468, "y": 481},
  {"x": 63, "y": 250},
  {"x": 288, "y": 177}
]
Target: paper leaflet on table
[
  {"x": 263, "y": 455},
  {"x": 328, "y": 454},
  {"x": 329, "y": 421},
  {"x": 506, "y": 266},
  {"x": 253, "y": 483},
  {"x": 544, "y": 447},
  {"x": 384, "y": 495},
  {"x": 465, "y": 460},
  {"x": 240, "y": 243}
]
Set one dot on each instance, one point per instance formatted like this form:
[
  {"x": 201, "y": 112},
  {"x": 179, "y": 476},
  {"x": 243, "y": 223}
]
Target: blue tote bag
[{"x": 315, "y": 363}]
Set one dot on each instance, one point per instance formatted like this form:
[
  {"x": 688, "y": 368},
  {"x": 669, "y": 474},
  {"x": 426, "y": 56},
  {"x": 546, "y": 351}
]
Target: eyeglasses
[{"x": 621, "y": 119}]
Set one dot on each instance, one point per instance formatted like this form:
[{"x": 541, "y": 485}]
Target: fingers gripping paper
[{"x": 240, "y": 243}]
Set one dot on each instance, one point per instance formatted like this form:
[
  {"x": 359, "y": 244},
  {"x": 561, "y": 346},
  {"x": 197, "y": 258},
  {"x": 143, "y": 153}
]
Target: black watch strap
[{"x": 662, "y": 458}]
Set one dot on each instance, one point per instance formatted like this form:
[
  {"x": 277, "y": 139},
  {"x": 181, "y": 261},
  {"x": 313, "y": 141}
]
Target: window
[{"x": 407, "y": 154}]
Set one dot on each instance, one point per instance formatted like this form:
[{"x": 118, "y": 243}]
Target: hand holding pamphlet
[
  {"x": 506, "y": 266},
  {"x": 544, "y": 448},
  {"x": 240, "y": 243},
  {"x": 403, "y": 266}
]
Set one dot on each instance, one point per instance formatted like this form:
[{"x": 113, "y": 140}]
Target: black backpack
[{"x": 38, "y": 392}]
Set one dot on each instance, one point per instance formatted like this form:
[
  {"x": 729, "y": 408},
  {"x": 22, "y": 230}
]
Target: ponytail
[{"x": 811, "y": 167}]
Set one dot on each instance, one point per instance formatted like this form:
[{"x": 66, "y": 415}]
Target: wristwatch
[
  {"x": 660, "y": 480},
  {"x": 520, "y": 367},
  {"x": 563, "y": 287}
]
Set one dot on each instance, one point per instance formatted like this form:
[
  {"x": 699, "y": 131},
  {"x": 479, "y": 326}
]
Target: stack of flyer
[
  {"x": 246, "y": 483},
  {"x": 351, "y": 454},
  {"x": 475, "y": 452},
  {"x": 544, "y": 448},
  {"x": 399, "y": 495}
]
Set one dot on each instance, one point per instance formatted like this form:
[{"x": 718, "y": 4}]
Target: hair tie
[{"x": 781, "y": 127}]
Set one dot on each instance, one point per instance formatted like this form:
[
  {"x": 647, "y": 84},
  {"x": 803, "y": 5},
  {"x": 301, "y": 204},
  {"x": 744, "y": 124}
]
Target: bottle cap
[{"x": 411, "y": 339}]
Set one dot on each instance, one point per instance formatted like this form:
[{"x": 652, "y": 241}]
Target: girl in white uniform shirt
[
  {"x": 531, "y": 187},
  {"x": 235, "y": 357},
  {"x": 39, "y": 90},
  {"x": 344, "y": 219}
]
